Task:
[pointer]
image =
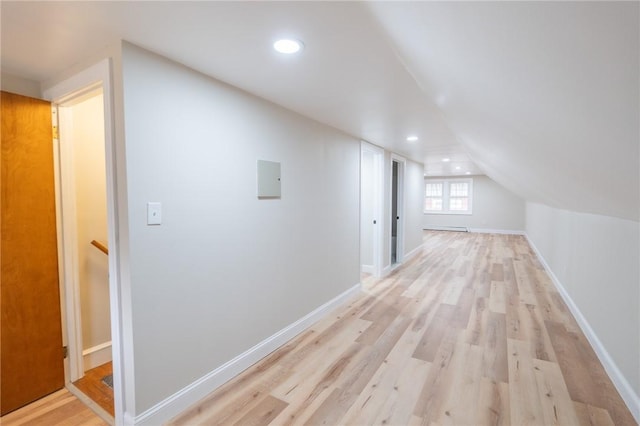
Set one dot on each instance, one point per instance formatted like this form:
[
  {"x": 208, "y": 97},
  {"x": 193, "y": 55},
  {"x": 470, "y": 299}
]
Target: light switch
[{"x": 154, "y": 213}]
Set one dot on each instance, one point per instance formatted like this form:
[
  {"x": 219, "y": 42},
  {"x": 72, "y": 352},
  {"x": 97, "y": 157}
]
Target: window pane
[
  {"x": 459, "y": 204},
  {"x": 433, "y": 204},
  {"x": 434, "y": 189},
  {"x": 459, "y": 189}
]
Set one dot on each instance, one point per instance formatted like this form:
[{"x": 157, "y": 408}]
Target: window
[
  {"x": 433, "y": 200},
  {"x": 448, "y": 196}
]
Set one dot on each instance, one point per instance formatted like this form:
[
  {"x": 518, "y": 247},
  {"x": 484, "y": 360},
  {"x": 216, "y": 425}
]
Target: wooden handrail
[{"x": 100, "y": 247}]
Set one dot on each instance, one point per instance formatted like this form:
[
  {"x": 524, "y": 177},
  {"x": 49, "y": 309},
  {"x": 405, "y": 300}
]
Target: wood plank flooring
[
  {"x": 91, "y": 385},
  {"x": 60, "y": 408},
  {"x": 471, "y": 332}
]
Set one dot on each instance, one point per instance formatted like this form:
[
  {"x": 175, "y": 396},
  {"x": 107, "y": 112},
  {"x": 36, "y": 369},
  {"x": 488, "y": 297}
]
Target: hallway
[{"x": 470, "y": 332}]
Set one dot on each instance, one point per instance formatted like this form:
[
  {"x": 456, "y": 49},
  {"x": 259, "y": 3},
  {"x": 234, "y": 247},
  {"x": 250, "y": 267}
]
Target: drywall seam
[
  {"x": 184, "y": 398},
  {"x": 619, "y": 381}
]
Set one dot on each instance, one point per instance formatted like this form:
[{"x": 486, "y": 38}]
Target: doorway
[
  {"x": 82, "y": 193},
  {"x": 87, "y": 222},
  {"x": 397, "y": 211},
  {"x": 371, "y": 170}
]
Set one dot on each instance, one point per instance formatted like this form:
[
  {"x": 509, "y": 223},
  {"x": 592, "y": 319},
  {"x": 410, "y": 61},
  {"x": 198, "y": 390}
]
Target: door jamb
[
  {"x": 98, "y": 75},
  {"x": 66, "y": 218},
  {"x": 402, "y": 162}
]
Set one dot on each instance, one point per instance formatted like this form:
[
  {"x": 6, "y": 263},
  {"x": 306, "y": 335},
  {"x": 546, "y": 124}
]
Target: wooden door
[{"x": 31, "y": 364}]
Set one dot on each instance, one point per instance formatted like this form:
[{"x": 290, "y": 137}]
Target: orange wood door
[{"x": 31, "y": 363}]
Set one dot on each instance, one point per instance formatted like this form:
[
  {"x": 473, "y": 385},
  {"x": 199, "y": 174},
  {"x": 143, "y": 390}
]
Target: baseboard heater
[{"x": 447, "y": 228}]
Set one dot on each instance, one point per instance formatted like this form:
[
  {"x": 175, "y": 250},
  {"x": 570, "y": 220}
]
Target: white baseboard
[
  {"x": 183, "y": 399},
  {"x": 445, "y": 228},
  {"x": 496, "y": 231},
  {"x": 387, "y": 270},
  {"x": 367, "y": 269},
  {"x": 96, "y": 355},
  {"x": 407, "y": 257},
  {"x": 630, "y": 397}
]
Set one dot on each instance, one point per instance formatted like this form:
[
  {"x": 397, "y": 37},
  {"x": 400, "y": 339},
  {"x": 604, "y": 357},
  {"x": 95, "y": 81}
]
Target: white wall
[
  {"x": 596, "y": 260},
  {"x": 494, "y": 208},
  {"x": 91, "y": 218},
  {"x": 414, "y": 205},
  {"x": 225, "y": 270},
  {"x": 21, "y": 86}
]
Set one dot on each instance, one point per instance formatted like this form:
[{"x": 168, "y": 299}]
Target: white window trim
[{"x": 445, "y": 196}]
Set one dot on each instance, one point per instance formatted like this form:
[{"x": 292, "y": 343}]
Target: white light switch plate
[{"x": 154, "y": 213}]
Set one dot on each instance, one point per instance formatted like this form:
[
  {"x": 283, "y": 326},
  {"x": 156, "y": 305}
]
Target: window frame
[
  {"x": 446, "y": 191},
  {"x": 435, "y": 181}
]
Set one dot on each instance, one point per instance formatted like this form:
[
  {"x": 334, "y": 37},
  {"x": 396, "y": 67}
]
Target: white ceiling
[{"x": 542, "y": 96}]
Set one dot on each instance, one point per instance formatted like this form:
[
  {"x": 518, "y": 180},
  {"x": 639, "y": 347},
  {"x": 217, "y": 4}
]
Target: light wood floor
[
  {"x": 472, "y": 332},
  {"x": 59, "y": 408}
]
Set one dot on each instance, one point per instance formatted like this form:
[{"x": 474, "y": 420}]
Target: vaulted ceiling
[{"x": 544, "y": 97}]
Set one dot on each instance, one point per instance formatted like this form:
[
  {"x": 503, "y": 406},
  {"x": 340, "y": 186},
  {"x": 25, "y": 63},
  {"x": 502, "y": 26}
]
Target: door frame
[
  {"x": 402, "y": 163},
  {"x": 81, "y": 84},
  {"x": 378, "y": 192}
]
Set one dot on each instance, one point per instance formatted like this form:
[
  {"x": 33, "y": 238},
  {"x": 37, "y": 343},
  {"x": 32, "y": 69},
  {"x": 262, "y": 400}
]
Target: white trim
[
  {"x": 445, "y": 228},
  {"x": 184, "y": 398},
  {"x": 389, "y": 269},
  {"x": 448, "y": 213},
  {"x": 367, "y": 269},
  {"x": 446, "y": 195},
  {"x": 407, "y": 257},
  {"x": 623, "y": 386},
  {"x": 496, "y": 231},
  {"x": 99, "y": 75},
  {"x": 68, "y": 241},
  {"x": 97, "y": 348},
  {"x": 386, "y": 271},
  {"x": 66, "y": 299},
  {"x": 97, "y": 355},
  {"x": 402, "y": 164}
]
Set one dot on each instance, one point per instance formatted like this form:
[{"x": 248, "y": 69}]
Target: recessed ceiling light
[
  {"x": 288, "y": 46},
  {"x": 468, "y": 173},
  {"x": 457, "y": 167},
  {"x": 412, "y": 138},
  {"x": 446, "y": 160}
]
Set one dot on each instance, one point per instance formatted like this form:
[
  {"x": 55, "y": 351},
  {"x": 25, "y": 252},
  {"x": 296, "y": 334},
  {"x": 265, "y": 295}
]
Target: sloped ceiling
[{"x": 542, "y": 96}]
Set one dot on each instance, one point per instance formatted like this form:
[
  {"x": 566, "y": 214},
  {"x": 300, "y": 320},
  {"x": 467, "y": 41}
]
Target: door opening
[
  {"x": 83, "y": 98},
  {"x": 371, "y": 163},
  {"x": 397, "y": 211},
  {"x": 83, "y": 198}
]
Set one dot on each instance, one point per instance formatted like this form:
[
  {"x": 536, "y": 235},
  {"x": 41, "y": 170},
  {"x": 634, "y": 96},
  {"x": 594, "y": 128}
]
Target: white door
[{"x": 371, "y": 165}]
